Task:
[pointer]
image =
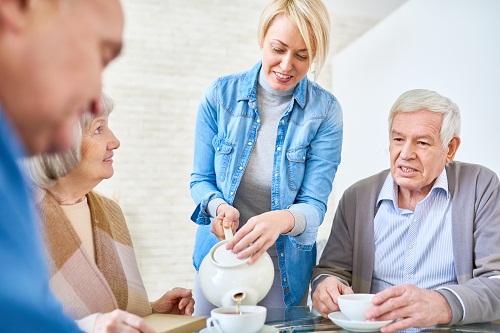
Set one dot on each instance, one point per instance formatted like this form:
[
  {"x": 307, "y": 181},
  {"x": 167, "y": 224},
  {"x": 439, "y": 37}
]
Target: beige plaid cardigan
[{"x": 83, "y": 286}]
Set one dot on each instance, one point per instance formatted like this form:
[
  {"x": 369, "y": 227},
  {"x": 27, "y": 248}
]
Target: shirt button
[
  {"x": 231, "y": 193},
  {"x": 298, "y": 246},
  {"x": 283, "y": 122},
  {"x": 241, "y": 168},
  {"x": 284, "y": 280},
  {"x": 218, "y": 148},
  {"x": 276, "y": 202},
  {"x": 275, "y": 175},
  {"x": 258, "y": 120},
  {"x": 410, "y": 247},
  {"x": 303, "y": 158},
  {"x": 249, "y": 143},
  {"x": 279, "y": 148},
  {"x": 282, "y": 254}
]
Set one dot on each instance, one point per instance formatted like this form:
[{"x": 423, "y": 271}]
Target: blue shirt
[
  {"x": 414, "y": 247},
  {"x": 306, "y": 157},
  {"x": 26, "y": 302}
]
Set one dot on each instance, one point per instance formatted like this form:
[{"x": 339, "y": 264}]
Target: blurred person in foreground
[
  {"x": 52, "y": 54},
  {"x": 267, "y": 147},
  {"x": 423, "y": 236},
  {"x": 94, "y": 272}
]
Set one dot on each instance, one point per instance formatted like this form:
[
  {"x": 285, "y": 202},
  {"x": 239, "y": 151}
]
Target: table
[{"x": 303, "y": 319}]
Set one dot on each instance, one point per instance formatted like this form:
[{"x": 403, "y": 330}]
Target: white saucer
[
  {"x": 356, "y": 326},
  {"x": 264, "y": 329}
]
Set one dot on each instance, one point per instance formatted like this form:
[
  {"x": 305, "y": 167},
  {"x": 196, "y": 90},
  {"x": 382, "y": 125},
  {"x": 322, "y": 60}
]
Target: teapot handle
[{"x": 228, "y": 233}]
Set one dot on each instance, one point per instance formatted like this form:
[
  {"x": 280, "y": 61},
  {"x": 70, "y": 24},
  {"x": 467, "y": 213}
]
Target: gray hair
[
  {"x": 46, "y": 168},
  {"x": 422, "y": 99}
]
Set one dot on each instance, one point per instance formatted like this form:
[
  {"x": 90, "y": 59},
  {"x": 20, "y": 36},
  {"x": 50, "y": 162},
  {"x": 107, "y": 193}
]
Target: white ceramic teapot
[{"x": 226, "y": 280}]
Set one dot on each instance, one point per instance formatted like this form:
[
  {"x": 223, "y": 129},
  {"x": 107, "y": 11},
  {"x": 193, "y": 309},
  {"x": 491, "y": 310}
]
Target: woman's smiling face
[
  {"x": 98, "y": 144},
  {"x": 285, "y": 60}
]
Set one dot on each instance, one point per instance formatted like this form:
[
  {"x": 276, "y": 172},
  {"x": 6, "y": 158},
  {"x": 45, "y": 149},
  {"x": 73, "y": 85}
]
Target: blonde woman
[{"x": 267, "y": 147}]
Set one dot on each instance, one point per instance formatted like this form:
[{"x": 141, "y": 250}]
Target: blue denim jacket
[{"x": 307, "y": 154}]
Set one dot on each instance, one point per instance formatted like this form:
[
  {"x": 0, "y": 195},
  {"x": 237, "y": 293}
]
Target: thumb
[
  {"x": 347, "y": 290},
  {"x": 227, "y": 222},
  {"x": 185, "y": 292}
]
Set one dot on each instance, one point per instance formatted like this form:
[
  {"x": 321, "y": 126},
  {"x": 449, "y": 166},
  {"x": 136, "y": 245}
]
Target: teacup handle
[
  {"x": 228, "y": 233},
  {"x": 215, "y": 328}
]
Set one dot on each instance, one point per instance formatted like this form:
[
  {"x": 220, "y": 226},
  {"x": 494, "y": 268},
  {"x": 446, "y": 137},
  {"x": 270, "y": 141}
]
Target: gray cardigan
[{"x": 475, "y": 195}]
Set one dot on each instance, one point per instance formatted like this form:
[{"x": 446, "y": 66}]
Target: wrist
[
  {"x": 447, "y": 314},
  {"x": 289, "y": 222},
  {"x": 219, "y": 206},
  {"x": 213, "y": 206}
]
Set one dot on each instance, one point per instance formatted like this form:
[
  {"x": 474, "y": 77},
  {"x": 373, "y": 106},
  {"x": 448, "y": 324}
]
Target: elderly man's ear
[{"x": 452, "y": 149}]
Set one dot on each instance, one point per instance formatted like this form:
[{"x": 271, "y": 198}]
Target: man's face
[
  {"x": 67, "y": 44},
  {"x": 416, "y": 152}
]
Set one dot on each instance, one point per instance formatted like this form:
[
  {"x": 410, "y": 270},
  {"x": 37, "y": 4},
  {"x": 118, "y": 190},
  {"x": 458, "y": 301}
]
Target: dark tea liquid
[{"x": 238, "y": 298}]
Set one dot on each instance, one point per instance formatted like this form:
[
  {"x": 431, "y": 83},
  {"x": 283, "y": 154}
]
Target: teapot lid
[{"x": 226, "y": 257}]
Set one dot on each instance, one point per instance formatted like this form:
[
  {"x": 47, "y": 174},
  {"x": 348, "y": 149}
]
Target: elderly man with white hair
[{"x": 423, "y": 236}]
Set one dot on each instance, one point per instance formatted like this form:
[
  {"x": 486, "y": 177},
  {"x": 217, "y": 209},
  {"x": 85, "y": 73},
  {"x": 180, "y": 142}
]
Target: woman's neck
[{"x": 71, "y": 190}]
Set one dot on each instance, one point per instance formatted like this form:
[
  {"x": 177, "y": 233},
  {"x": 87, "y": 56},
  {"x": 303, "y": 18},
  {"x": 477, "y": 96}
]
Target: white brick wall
[{"x": 173, "y": 49}]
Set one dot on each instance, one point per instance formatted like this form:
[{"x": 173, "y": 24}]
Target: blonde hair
[{"x": 312, "y": 20}]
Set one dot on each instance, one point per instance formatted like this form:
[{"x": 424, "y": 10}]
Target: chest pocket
[
  {"x": 223, "y": 149},
  {"x": 296, "y": 158}
]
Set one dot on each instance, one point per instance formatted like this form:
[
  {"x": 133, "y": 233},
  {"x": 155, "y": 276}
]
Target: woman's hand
[
  {"x": 259, "y": 233},
  {"x": 175, "y": 301},
  {"x": 120, "y": 321},
  {"x": 227, "y": 217}
]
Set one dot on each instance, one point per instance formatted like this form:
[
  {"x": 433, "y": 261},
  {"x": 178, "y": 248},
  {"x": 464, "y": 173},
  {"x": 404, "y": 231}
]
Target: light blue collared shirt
[{"x": 414, "y": 247}]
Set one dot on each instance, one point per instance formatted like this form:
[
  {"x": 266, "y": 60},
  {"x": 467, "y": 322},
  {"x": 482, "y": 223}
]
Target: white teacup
[
  {"x": 354, "y": 306},
  {"x": 226, "y": 320}
]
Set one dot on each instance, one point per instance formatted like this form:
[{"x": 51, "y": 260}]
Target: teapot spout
[{"x": 239, "y": 297}]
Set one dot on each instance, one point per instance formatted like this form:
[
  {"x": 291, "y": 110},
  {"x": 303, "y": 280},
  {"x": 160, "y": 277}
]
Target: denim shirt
[{"x": 307, "y": 154}]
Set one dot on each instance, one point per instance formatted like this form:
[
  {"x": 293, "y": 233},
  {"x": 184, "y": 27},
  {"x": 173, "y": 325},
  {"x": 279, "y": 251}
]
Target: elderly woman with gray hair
[{"x": 94, "y": 271}]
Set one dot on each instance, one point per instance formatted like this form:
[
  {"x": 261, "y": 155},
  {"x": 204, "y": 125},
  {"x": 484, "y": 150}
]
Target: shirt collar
[{"x": 389, "y": 190}]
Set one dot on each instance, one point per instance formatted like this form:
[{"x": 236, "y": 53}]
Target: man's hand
[
  {"x": 324, "y": 298},
  {"x": 175, "y": 301},
  {"x": 415, "y": 307}
]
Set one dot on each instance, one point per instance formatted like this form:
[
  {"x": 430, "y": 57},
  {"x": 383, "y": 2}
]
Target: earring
[{"x": 313, "y": 70}]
